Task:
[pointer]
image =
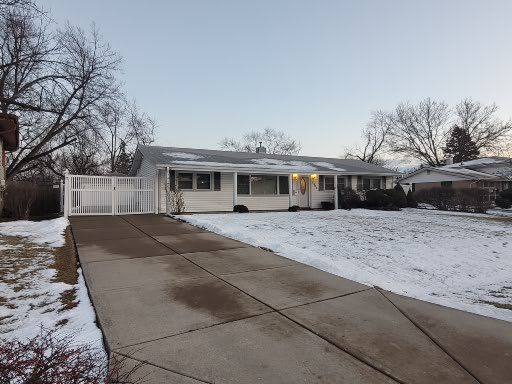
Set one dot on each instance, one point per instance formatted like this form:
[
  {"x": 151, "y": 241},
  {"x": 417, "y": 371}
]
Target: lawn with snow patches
[
  {"x": 40, "y": 284},
  {"x": 459, "y": 260}
]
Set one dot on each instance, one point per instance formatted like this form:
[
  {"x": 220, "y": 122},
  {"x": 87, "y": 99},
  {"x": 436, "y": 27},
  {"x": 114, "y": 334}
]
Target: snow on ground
[
  {"x": 50, "y": 232},
  {"x": 32, "y": 294},
  {"x": 455, "y": 259}
]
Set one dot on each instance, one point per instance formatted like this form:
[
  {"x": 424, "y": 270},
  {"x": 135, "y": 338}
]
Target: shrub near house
[{"x": 456, "y": 199}]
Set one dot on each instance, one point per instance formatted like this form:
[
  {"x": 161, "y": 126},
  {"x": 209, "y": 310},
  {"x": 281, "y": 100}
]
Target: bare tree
[
  {"x": 481, "y": 123},
  {"x": 51, "y": 79},
  {"x": 374, "y": 137},
  {"x": 420, "y": 131},
  {"x": 121, "y": 126},
  {"x": 275, "y": 141}
]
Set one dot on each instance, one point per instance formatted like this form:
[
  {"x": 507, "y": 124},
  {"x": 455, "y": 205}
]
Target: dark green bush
[
  {"x": 399, "y": 197},
  {"x": 502, "y": 202},
  {"x": 507, "y": 194},
  {"x": 455, "y": 199},
  {"x": 327, "y": 205},
  {"x": 240, "y": 208},
  {"x": 411, "y": 200},
  {"x": 378, "y": 199},
  {"x": 348, "y": 199},
  {"x": 294, "y": 208}
]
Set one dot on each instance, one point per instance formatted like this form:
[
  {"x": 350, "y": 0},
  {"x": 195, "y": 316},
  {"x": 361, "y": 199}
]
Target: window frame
[
  {"x": 325, "y": 183},
  {"x": 197, "y": 184},
  {"x": 371, "y": 180},
  {"x": 194, "y": 181},
  {"x": 447, "y": 184},
  {"x": 278, "y": 193},
  {"x": 178, "y": 180}
]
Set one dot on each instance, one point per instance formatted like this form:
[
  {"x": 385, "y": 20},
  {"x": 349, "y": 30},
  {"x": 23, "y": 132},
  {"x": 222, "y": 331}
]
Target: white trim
[{"x": 335, "y": 191}]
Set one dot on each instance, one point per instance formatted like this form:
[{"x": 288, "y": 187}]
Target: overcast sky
[{"x": 314, "y": 69}]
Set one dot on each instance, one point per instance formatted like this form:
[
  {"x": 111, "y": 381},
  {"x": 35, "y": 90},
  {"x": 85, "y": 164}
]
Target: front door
[{"x": 304, "y": 192}]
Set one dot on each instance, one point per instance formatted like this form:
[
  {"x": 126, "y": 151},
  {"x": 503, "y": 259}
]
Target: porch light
[
  {"x": 295, "y": 176},
  {"x": 314, "y": 176}
]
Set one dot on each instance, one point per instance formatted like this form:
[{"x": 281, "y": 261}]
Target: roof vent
[{"x": 261, "y": 149}]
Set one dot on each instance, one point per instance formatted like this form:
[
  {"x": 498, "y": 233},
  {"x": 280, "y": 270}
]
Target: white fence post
[{"x": 67, "y": 188}]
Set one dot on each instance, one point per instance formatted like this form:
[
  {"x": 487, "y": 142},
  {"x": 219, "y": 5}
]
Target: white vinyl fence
[{"x": 109, "y": 195}]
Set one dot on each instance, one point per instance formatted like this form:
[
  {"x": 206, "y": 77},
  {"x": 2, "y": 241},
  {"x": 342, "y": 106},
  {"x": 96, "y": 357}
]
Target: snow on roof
[
  {"x": 478, "y": 162},
  {"x": 170, "y": 156},
  {"x": 183, "y": 155},
  {"x": 323, "y": 164}
]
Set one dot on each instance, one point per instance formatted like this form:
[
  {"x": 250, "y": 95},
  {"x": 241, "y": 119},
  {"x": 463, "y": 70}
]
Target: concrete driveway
[{"x": 201, "y": 308}]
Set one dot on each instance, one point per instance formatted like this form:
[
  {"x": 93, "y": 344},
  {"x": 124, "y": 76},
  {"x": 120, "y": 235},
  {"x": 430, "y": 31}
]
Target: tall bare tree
[
  {"x": 51, "y": 78},
  {"x": 374, "y": 139},
  {"x": 482, "y": 124},
  {"x": 121, "y": 126},
  {"x": 275, "y": 141},
  {"x": 420, "y": 131}
]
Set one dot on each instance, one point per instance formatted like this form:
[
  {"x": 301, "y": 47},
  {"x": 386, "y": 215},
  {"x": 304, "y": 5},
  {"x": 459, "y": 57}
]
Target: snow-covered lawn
[
  {"x": 40, "y": 284},
  {"x": 454, "y": 259}
]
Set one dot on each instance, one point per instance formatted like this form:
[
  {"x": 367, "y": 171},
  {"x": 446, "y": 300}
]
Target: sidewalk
[{"x": 201, "y": 308}]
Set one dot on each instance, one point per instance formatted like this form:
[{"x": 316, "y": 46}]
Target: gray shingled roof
[{"x": 214, "y": 159}]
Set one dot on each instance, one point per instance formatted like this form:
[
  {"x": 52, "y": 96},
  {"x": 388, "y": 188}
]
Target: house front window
[
  {"x": 263, "y": 185},
  {"x": 243, "y": 185},
  {"x": 370, "y": 183},
  {"x": 185, "y": 181},
  {"x": 325, "y": 183},
  {"x": 446, "y": 184},
  {"x": 203, "y": 180},
  {"x": 341, "y": 183},
  {"x": 284, "y": 185}
]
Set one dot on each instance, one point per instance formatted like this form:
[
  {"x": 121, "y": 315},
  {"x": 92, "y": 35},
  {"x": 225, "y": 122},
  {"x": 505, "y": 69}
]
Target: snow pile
[
  {"x": 183, "y": 155},
  {"x": 459, "y": 260},
  {"x": 47, "y": 232},
  {"x": 31, "y": 296}
]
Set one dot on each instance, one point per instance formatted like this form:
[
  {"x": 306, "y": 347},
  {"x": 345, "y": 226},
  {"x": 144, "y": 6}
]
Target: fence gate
[{"x": 108, "y": 195}]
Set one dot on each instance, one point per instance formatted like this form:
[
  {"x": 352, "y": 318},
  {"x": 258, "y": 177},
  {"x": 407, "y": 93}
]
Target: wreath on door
[{"x": 303, "y": 185}]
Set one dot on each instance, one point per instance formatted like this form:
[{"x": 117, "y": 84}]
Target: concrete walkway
[{"x": 201, "y": 308}]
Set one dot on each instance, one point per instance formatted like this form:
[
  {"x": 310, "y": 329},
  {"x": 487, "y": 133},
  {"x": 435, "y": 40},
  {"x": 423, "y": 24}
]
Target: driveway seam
[
  {"x": 193, "y": 330},
  {"x": 431, "y": 338},
  {"x": 281, "y": 314},
  {"x": 329, "y": 298},
  {"x": 163, "y": 368}
]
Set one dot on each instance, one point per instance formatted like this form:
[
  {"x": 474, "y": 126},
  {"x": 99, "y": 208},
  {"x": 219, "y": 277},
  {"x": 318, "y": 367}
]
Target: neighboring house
[
  {"x": 491, "y": 173},
  {"x": 9, "y": 141},
  {"x": 217, "y": 180}
]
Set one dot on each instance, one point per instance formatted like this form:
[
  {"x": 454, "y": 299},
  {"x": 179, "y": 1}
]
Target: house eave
[{"x": 210, "y": 168}]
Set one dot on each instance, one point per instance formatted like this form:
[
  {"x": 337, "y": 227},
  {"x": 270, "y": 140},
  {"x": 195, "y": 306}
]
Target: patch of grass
[{"x": 66, "y": 261}]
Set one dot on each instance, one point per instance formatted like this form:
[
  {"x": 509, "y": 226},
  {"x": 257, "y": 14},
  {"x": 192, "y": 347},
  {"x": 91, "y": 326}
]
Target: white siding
[
  {"x": 204, "y": 201},
  {"x": 433, "y": 177},
  {"x": 318, "y": 196},
  {"x": 146, "y": 169},
  {"x": 264, "y": 203}
]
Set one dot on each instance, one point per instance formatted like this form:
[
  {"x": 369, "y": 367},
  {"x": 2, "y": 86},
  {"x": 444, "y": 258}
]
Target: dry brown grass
[{"x": 20, "y": 267}]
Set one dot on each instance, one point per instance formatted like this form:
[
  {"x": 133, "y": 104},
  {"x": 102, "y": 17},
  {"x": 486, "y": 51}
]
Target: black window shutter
[
  {"x": 216, "y": 181},
  {"x": 321, "y": 183},
  {"x": 172, "y": 179}
]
